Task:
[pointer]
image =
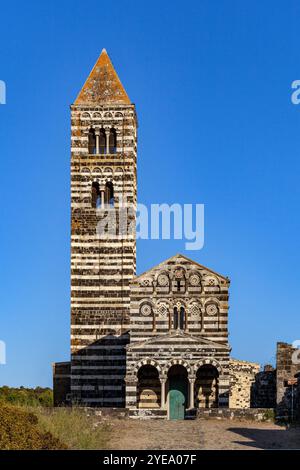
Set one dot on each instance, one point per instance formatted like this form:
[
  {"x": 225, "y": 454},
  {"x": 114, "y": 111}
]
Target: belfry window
[
  {"x": 92, "y": 141},
  {"x": 109, "y": 194},
  {"x": 96, "y": 195},
  {"x": 112, "y": 143},
  {"x": 102, "y": 142}
]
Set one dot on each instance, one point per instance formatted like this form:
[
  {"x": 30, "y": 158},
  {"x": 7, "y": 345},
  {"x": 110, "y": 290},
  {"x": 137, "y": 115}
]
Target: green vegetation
[
  {"x": 19, "y": 429},
  {"x": 269, "y": 415},
  {"x": 26, "y": 396}
]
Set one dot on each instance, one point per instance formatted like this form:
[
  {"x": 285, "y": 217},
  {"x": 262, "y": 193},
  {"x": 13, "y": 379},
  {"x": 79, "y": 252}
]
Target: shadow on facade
[{"x": 98, "y": 374}]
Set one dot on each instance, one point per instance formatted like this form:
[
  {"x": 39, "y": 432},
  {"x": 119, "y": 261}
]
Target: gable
[{"x": 180, "y": 261}]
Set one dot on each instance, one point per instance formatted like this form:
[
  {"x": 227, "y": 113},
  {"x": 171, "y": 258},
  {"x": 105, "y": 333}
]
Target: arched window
[
  {"x": 175, "y": 319},
  {"x": 96, "y": 195},
  {"x": 109, "y": 194},
  {"x": 182, "y": 318},
  {"x": 179, "y": 318},
  {"x": 112, "y": 144},
  {"x": 102, "y": 142},
  {"x": 92, "y": 141}
]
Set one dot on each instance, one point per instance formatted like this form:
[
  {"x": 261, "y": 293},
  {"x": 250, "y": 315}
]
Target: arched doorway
[
  {"x": 207, "y": 387},
  {"x": 149, "y": 388},
  {"x": 177, "y": 386}
]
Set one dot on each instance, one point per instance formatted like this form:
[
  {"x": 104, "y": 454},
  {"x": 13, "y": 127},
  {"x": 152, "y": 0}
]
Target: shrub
[
  {"x": 269, "y": 415},
  {"x": 27, "y": 396},
  {"x": 19, "y": 430}
]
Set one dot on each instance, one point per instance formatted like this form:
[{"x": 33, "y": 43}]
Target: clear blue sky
[{"x": 212, "y": 86}]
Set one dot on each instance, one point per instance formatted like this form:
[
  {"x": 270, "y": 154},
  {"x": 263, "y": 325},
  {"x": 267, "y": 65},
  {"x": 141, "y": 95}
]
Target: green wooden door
[{"x": 177, "y": 398}]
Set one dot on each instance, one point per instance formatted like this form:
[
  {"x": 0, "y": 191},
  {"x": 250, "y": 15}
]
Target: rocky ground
[{"x": 201, "y": 434}]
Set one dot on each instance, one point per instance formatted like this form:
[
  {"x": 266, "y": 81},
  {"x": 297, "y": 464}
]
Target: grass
[
  {"x": 74, "y": 427},
  {"x": 38, "y": 428}
]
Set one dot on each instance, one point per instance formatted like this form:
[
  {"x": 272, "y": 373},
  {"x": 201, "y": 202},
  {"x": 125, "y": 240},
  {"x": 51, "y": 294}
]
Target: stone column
[
  {"x": 186, "y": 320},
  {"x": 163, "y": 394},
  {"x": 107, "y": 132},
  {"x": 97, "y": 135},
  {"x": 102, "y": 192},
  {"x": 192, "y": 382}
]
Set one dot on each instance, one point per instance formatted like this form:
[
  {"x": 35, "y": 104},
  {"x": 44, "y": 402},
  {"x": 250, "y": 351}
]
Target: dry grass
[{"x": 73, "y": 427}]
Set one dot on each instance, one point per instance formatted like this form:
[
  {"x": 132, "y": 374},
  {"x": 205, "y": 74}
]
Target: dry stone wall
[{"x": 242, "y": 378}]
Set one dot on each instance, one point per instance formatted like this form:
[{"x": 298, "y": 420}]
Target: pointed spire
[{"x": 103, "y": 85}]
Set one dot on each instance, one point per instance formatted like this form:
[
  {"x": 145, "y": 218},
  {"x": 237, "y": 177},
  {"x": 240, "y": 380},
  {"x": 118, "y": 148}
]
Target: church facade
[
  {"x": 178, "y": 337},
  {"x": 157, "y": 341}
]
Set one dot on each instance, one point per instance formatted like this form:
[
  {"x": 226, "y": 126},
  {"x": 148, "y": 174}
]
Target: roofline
[
  {"x": 226, "y": 278},
  {"x": 198, "y": 339},
  {"x": 105, "y": 52}
]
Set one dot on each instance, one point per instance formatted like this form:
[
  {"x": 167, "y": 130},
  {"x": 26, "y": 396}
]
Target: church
[{"x": 156, "y": 343}]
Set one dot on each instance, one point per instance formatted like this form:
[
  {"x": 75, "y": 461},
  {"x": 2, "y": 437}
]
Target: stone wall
[
  {"x": 287, "y": 368},
  {"x": 242, "y": 378},
  {"x": 263, "y": 393},
  {"x": 252, "y": 414},
  {"x": 61, "y": 383}
]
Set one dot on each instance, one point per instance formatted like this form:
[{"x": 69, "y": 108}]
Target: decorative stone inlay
[
  {"x": 163, "y": 309},
  {"x": 211, "y": 309},
  {"x": 211, "y": 281},
  {"x": 195, "y": 280},
  {"x": 146, "y": 310},
  {"x": 195, "y": 310},
  {"x": 163, "y": 280},
  {"x": 178, "y": 274}
]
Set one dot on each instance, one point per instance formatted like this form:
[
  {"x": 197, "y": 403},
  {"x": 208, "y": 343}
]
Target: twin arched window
[
  {"x": 179, "y": 320},
  {"x": 103, "y": 198},
  {"x": 101, "y": 142}
]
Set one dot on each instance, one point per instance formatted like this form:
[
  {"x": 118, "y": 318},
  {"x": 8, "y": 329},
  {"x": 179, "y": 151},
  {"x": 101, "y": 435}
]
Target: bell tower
[{"x": 103, "y": 247}]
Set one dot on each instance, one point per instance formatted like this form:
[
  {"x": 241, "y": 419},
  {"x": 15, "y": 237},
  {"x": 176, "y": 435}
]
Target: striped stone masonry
[
  {"x": 102, "y": 264},
  {"x": 178, "y": 321}
]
